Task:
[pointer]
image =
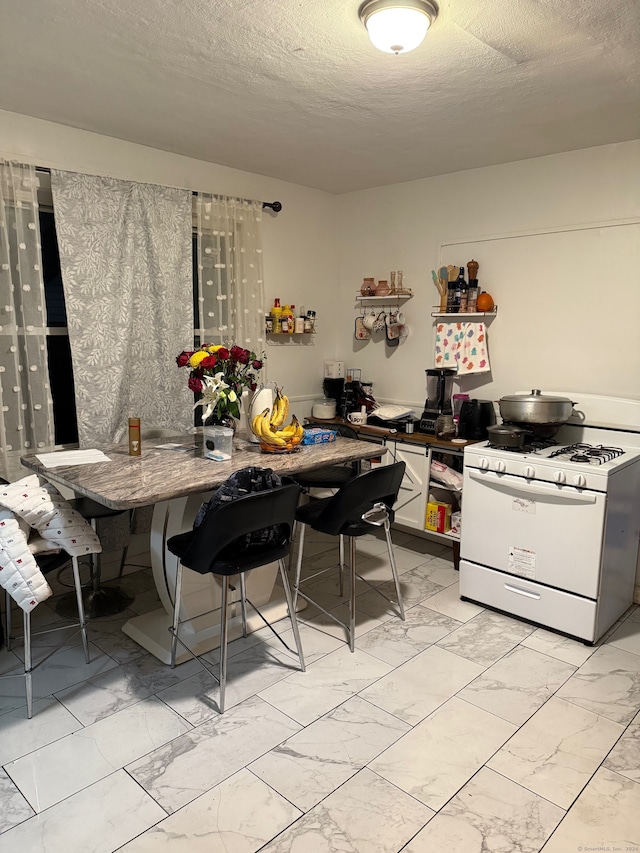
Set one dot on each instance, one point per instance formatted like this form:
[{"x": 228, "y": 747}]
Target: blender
[{"x": 438, "y": 402}]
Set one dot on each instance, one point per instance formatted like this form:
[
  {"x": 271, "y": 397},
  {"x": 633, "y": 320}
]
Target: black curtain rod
[{"x": 276, "y": 206}]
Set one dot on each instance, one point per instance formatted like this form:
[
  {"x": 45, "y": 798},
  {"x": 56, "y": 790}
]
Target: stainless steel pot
[
  {"x": 506, "y": 435},
  {"x": 535, "y": 408}
]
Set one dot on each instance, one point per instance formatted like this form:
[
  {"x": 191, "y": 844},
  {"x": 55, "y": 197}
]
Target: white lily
[{"x": 213, "y": 388}]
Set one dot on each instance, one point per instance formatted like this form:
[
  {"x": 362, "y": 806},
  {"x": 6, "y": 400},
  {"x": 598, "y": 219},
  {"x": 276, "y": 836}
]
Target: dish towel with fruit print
[{"x": 462, "y": 347}]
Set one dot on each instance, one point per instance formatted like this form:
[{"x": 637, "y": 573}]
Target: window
[
  {"x": 58, "y": 349},
  {"x": 228, "y": 249}
]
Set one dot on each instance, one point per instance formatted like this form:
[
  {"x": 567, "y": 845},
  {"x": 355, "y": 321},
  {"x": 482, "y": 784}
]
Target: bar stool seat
[
  {"x": 332, "y": 476},
  {"x": 362, "y": 504},
  {"x": 235, "y": 538}
]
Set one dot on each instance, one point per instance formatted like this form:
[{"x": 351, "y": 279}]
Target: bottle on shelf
[
  {"x": 451, "y": 297},
  {"x": 472, "y": 267},
  {"x": 472, "y": 300},
  {"x": 292, "y": 319},
  {"x": 459, "y": 283},
  {"x": 299, "y": 329},
  {"x": 284, "y": 319},
  {"x": 464, "y": 297},
  {"x": 309, "y": 322},
  {"x": 276, "y": 314}
]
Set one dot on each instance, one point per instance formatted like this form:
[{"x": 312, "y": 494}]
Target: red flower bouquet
[{"x": 220, "y": 374}]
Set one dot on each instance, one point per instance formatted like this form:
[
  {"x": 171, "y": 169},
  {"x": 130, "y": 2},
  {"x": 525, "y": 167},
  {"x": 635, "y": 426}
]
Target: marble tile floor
[{"x": 460, "y": 730}]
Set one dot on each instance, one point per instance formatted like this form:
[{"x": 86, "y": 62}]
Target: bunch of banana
[
  {"x": 280, "y": 409},
  {"x": 272, "y": 439}
]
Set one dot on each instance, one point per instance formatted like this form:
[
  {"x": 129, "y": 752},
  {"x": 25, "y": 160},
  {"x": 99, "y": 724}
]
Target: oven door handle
[{"x": 531, "y": 489}]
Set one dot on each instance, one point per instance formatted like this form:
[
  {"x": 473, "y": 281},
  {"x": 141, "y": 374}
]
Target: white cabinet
[{"x": 410, "y": 508}]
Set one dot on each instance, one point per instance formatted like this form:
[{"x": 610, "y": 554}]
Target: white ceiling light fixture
[{"x": 397, "y": 26}]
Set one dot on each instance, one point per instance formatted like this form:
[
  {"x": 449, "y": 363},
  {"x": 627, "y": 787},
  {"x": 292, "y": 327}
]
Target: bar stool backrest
[
  {"x": 214, "y": 547},
  {"x": 346, "y": 507}
]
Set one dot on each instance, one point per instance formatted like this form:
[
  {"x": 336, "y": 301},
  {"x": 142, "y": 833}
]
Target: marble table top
[{"x": 160, "y": 474}]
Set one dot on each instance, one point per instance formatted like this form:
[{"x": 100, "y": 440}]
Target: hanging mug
[
  {"x": 369, "y": 320},
  {"x": 378, "y": 324}
]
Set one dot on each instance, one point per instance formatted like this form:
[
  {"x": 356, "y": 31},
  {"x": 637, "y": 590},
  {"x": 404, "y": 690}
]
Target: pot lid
[{"x": 536, "y": 396}]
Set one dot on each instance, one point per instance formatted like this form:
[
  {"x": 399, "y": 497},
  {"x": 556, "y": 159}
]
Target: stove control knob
[
  {"x": 560, "y": 477},
  {"x": 580, "y": 481},
  {"x": 529, "y": 472},
  {"x": 501, "y": 466},
  {"x": 483, "y": 463}
]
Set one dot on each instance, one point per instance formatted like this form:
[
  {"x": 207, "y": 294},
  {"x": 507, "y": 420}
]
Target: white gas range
[{"x": 550, "y": 533}]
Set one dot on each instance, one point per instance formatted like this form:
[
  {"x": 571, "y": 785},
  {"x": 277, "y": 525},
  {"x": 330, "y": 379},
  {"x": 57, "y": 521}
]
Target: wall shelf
[
  {"x": 476, "y": 315},
  {"x": 287, "y": 338},
  {"x": 398, "y": 296}
]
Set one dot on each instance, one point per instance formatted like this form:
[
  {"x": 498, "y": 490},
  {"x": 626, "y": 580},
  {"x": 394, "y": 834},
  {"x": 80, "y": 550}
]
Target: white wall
[
  {"x": 595, "y": 345},
  {"x": 299, "y": 242},
  {"x": 318, "y": 249}
]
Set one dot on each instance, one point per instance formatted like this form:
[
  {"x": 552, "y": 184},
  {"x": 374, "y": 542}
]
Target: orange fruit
[{"x": 485, "y": 302}]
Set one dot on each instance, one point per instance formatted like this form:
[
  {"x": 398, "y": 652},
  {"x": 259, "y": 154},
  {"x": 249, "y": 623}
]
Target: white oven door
[{"x": 541, "y": 531}]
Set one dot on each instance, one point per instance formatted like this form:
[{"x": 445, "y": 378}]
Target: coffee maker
[
  {"x": 438, "y": 402},
  {"x": 333, "y": 388}
]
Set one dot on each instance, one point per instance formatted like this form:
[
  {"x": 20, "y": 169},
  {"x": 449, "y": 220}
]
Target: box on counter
[
  {"x": 318, "y": 435},
  {"x": 438, "y": 517}
]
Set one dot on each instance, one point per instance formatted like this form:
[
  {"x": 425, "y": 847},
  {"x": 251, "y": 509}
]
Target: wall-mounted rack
[
  {"x": 488, "y": 315},
  {"x": 398, "y": 296}
]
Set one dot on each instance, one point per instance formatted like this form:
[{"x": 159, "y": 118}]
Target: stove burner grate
[
  {"x": 588, "y": 454},
  {"x": 533, "y": 445}
]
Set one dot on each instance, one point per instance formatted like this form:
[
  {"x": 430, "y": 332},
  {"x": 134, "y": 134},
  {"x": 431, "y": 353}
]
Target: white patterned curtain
[
  {"x": 126, "y": 260},
  {"x": 230, "y": 286},
  {"x": 26, "y": 419}
]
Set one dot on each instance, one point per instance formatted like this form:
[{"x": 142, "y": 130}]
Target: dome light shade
[{"x": 397, "y": 26}]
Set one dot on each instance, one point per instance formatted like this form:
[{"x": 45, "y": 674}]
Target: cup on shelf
[{"x": 369, "y": 320}]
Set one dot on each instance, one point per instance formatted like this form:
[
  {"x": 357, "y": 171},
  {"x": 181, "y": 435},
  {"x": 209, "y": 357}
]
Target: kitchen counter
[{"x": 368, "y": 432}]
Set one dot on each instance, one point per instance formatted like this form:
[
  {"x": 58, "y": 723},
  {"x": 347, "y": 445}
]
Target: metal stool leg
[
  {"x": 292, "y": 613},
  {"x": 394, "y": 571},
  {"x": 352, "y": 593},
  {"x": 223, "y": 641},
  {"x": 342, "y": 567},
  {"x": 176, "y": 615},
  {"x": 243, "y": 603},
  {"x": 81, "y": 616},
  {"x": 27, "y": 664},
  {"x": 7, "y": 611},
  {"x": 296, "y": 582}
]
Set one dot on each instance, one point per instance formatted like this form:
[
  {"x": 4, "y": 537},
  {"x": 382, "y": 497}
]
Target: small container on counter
[
  {"x": 445, "y": 427},
  {"x": 135, "y": 447}
]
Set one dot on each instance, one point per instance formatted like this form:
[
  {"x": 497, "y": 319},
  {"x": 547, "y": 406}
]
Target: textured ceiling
[{"x": 293, "y": 89}]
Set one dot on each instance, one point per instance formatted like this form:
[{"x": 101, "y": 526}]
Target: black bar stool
[
  {"x": 363, "y": 503},
  {"x": 333, "y": 476},
  {"x": 233, "y": 539}
]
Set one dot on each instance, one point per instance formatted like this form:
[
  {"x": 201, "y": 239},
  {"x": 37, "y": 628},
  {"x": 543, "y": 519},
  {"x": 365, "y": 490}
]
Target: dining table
[{"x": 173, "y": 475}]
